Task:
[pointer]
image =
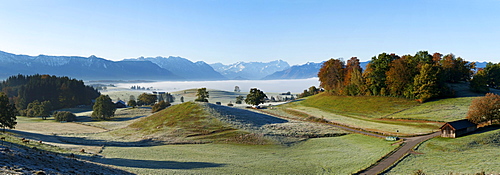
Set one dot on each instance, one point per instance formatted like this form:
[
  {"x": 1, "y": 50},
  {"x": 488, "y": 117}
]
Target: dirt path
[
  {"x": 410, "y": 143},
  {"x": 331, "y": 124}
]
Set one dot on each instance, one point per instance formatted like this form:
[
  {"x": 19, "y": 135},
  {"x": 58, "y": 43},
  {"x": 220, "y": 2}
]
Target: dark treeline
[
  {"x": 61, "y": 92},
  {"x": 421, "y": 76}
]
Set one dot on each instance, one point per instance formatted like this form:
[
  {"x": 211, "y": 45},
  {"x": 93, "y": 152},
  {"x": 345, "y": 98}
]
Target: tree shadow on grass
[
  {"x": 486, "y": 129},
  {"x": 30, "y": 158},
  {"x": 156, "y": 164},
  {"x": 246, "y": 117},
  {"x": 81, "y": 140}
]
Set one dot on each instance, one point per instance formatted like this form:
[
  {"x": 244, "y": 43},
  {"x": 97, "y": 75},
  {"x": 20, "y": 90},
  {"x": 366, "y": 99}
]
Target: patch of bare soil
[{"x": 18, "y": 159}]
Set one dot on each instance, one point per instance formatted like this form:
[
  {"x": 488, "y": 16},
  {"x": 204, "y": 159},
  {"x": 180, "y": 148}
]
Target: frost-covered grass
[
  {"x": 366, "y": 106},
  {"x": 297, "y": 110},
  {"x": 445, "y": 110},
  {"x": 122, "y": 118},
  {"x": 331, "y": 155},
  {"x": 464, "y": 155}
]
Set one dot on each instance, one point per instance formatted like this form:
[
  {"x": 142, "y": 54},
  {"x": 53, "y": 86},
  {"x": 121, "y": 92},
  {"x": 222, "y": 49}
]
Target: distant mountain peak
[
  {"x": 183, "y": 67},
  {"x": 250, "y": 70}
]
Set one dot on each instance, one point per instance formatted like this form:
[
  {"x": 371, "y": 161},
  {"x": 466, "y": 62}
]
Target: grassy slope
[
  {"x": 345, "y": 154},
  {"x": 445, "y": 110},
  {"x": 466, "y": 155},
  {"x": 366, "y": 106},
  {"x": 361, "y": 112},
  {"x": 333, "y": 155},
  {"x": 180, "y": 121}
]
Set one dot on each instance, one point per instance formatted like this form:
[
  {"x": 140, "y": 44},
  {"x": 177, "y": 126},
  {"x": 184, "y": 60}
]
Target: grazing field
[
  {"x": 475, "y": 153},
  {"x": 204, "y": 138},
  {"x": 368, "y": 124},
  {"x": 332, "y": 155},
  {"x": 365, "y": 106},
  {"x": 443, "y": 110},
  {"x": 342, "y": 110}
]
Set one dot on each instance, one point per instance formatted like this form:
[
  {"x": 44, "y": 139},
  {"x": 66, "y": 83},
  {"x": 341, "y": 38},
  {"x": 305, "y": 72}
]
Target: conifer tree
[{"x": 7, "y": 113}]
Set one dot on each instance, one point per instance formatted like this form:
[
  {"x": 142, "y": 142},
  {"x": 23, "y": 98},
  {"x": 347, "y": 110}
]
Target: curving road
[{"x": 409, "y": 144}]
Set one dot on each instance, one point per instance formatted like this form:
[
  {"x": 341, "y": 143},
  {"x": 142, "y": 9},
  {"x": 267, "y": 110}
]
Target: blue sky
[{"x": 227, "y": 31}]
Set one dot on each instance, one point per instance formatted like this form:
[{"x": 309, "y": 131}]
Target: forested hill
[
  {"x": 421, "y": 76},
  {"x": 61, "y": 92}
]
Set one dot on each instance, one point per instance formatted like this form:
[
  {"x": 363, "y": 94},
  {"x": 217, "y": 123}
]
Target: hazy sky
[{"x": 227, "y": 31}]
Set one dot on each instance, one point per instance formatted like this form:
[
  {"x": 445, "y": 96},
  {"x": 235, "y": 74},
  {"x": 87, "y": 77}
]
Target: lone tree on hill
[
  {"x": 255, "y": 97},
  {"x": 103, "y": 108},
  {"x": 202, "y": 95},
  {"x": 7, "y": 113},
  {"x": 132, "y": 103},
  {"x": 485, "y": 109},
  {"x": 239, "y": 99}
]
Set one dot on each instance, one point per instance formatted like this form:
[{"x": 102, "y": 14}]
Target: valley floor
[{"x": 335, "y": 152}]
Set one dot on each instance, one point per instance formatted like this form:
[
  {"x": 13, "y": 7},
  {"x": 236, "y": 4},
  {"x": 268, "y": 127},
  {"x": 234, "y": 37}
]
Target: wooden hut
[{"x": 457, "y": 128}]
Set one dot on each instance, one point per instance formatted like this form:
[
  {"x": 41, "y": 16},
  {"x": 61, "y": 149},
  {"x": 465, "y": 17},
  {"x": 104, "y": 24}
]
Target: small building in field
[
  {"x": 120, "y": 104},
  {"x": 457, "y": 128}
]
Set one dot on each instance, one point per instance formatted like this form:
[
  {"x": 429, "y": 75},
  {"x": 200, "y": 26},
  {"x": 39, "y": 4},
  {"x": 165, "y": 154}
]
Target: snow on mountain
[
  {"x": 89, "y": 68},
  {"x": 250, "y": 70},
  {"x": 307, "y": 70},
  {"x": 184, "y": 67}
]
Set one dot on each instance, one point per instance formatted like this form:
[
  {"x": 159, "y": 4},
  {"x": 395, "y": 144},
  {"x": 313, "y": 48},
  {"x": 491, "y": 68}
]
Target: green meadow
[{"x": 333, "y": 155}]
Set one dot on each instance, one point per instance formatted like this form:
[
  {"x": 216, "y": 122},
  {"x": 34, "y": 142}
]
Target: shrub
[
  {"x": 64, "y": 116},
  {"x": 160, "y": 106}
]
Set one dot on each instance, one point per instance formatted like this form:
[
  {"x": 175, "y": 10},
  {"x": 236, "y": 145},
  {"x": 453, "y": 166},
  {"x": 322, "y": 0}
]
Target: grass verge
[{"x": 478, "y": 152}]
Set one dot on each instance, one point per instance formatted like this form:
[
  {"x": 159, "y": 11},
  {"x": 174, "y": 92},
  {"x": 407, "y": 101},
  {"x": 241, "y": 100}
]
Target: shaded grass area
[
  {"x": 13, "y": 139},
  {"x": 366, "y": 106},
  {"x": 332, "y": 155},
  {"x": 469, "y": 154},
  {"x": 443, "y": 110}
]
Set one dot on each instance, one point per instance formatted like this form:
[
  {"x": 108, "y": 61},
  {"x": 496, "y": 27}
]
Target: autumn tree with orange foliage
[
  {"x": 400, "y": 77},
  {"x": 421, "y": 77},
  {"x": 331, "y": 75},
  {"x": 485, "y": 109},
  {"x": 353, "y": 82},
  {"x": 456, "y": 69}
]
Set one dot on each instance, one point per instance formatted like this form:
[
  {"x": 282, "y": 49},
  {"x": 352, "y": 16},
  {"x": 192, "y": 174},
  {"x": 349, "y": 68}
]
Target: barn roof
[{"x": 459, "y": 124}]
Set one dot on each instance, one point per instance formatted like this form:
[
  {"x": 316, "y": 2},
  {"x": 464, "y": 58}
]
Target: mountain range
[
  {"x": 250, "y": 70},
  {"x": 184, "y": 68},
  {"x": 88, "y": 68},
  {"x": 154, "y": 68}
]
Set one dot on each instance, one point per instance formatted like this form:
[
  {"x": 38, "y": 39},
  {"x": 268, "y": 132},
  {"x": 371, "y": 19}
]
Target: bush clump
[
  {"x": 160, "y": 106},
  {"x": 64, "y": 116}
]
